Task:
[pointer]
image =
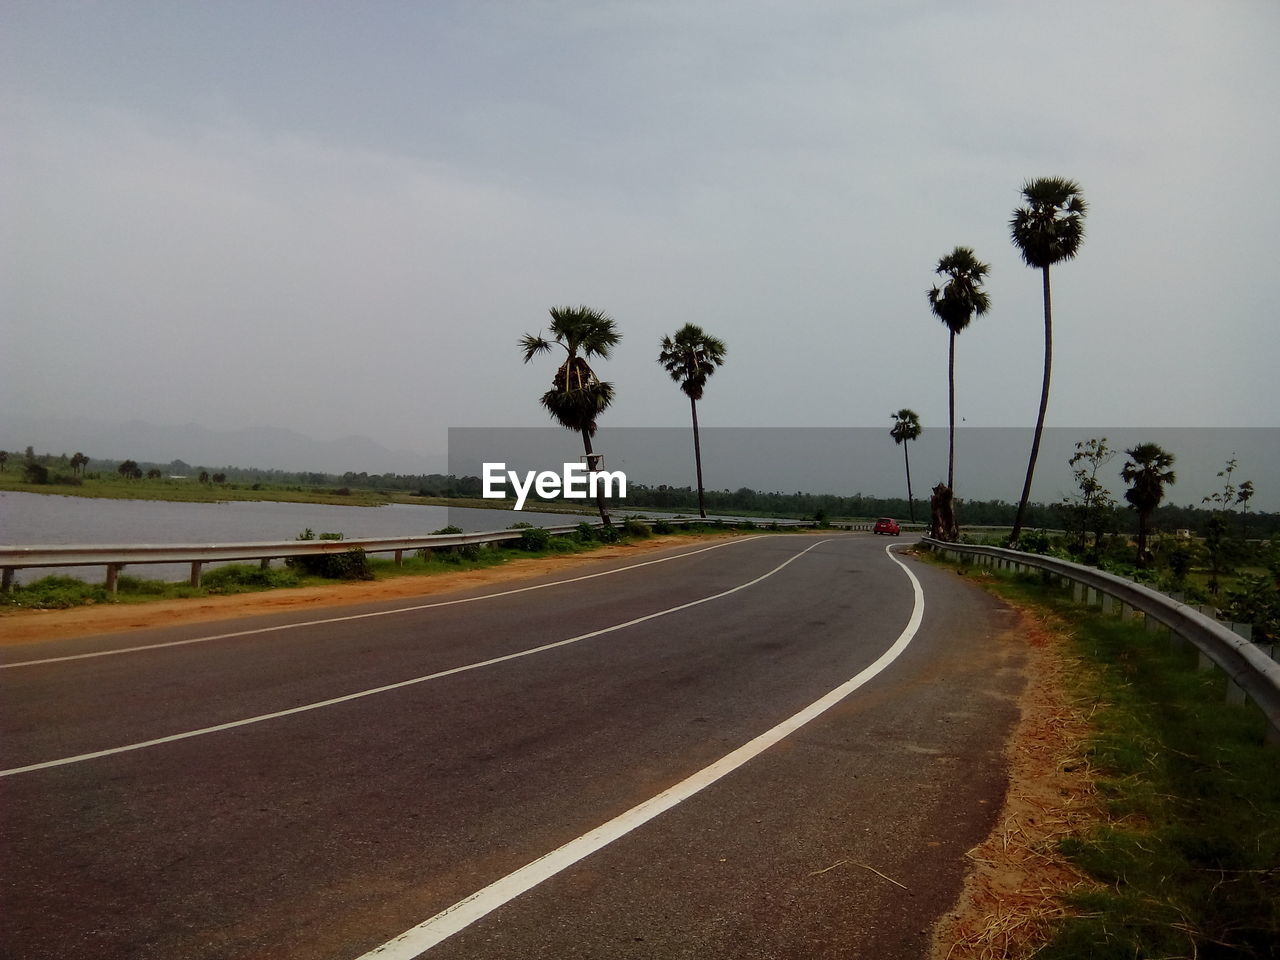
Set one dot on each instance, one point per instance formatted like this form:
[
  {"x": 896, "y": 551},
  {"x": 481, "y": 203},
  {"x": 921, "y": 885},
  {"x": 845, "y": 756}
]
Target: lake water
[{"x": 32, "y": 518}]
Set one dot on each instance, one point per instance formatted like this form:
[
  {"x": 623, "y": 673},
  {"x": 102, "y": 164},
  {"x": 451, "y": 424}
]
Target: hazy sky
[{"x": 339, "y": 217}]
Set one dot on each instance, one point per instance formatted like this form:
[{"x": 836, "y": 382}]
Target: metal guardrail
[
  {"x": 116, "y": 556},
  {"x": 1250, "y": 672}
]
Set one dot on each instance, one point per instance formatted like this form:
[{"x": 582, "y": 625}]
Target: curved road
[{"x": 633, "y": 762}]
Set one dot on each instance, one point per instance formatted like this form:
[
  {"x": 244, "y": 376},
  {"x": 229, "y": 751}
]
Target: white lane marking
[
  {"x": 362, "y": 616},
  {"x": 30, "y": 768},
  {"x": 418, "y": 940}
]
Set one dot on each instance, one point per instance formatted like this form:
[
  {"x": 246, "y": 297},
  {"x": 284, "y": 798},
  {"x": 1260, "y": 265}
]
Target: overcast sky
[{"x": 338, "y": 218}]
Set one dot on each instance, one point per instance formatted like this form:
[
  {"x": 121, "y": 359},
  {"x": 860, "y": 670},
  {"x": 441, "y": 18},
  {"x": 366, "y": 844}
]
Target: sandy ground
[
  {"x": 33, "y": 626},
  {"x": 1012, "y": 892}
]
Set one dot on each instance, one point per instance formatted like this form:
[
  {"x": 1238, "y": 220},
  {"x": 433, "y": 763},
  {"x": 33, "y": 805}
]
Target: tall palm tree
[
  {"x": 1047, "y": 230},
  {"x": 690, "y": 356},
  {"x": 906, "y": 426},
  {"x": 959, "y": 300},
  {"x": 1147, "y": 472},
  {"x": 577, "y": 396}
]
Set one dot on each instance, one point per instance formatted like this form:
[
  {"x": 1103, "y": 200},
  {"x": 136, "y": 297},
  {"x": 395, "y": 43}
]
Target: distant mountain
[{"x": 267, "y": 448}]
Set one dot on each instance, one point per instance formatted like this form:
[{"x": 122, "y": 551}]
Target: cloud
[{"x": 342, "y": 224}]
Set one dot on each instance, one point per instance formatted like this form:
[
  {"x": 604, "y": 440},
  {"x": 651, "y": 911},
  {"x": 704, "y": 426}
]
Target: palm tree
[
  {"x": 690, "y": 356},
  {"x": 1146, "y": 471},
  {"x": 1243, "y": 496},
  {"x": 1050, "y": 228},
  {"x": 906, "y": 426},
  {"x": 577, "y": 397},
  {"x": 956, "y": 304}
]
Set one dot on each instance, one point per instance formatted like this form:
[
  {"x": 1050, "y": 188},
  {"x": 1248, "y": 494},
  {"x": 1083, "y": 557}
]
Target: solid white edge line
[
  {"x": 363, "y": 616},
  {"x": 231, "y": 725},
  {"x": 419, "y": 939}
]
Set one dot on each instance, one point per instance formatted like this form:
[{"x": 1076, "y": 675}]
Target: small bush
[
  {"x": 636, "y": 528},
  {"x": 55, "y": 593},
  {"x": 240, "y": 577},
  {"x": 142, "y": 588},
  {"x": 662, "y": 527},
  {"x": 534, "y": 540},
  {"x": 351, "y": 564},
  {"x": 1034, "y": 541},
  {"x": 463, "y": 551}
]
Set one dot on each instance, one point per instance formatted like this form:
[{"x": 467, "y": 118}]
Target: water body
[{"x": 28, "y": 519}]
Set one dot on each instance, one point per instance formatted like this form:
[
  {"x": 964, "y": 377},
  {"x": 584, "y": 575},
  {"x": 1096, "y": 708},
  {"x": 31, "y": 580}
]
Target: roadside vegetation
[
  {"x": 1184, "y": 857},
  {"x": 60, "y": 592}
]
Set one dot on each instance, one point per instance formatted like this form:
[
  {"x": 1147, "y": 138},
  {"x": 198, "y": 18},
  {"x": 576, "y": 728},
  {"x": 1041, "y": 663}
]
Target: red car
[{"x": 887, "y": 526}]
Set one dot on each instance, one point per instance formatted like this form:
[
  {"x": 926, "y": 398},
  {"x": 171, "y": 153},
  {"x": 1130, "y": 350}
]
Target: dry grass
[{"x": 1016, "y": 886}]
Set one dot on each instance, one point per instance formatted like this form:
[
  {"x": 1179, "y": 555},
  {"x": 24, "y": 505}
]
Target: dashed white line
[
  {"x": 218, "y": 728},
  {"x": 363, "y": 616}
]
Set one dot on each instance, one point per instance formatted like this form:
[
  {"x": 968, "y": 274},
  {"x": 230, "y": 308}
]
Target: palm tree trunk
[
  {"x": 1142, "y": 539},
  {"x": 911, "y": 504},
  {"x": 951, "y": 407},
  {"x": 592, "y": 460},
  {"x": 1044, "y": 405},
  {"x": 697, "y": 458}
]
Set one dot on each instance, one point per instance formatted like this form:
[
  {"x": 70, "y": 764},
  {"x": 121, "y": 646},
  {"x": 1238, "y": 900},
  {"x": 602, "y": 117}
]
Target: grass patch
[
  {"x": 1188, "y": 861},
  {"x": 246, "y": 578}
]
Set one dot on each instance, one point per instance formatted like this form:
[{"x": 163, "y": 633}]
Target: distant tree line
[{"x": 1166, "y": 518}]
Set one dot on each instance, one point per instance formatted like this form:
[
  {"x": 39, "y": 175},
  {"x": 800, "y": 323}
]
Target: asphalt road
[{"x": 294, "y": 790}]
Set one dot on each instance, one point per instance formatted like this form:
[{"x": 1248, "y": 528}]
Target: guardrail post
[
  {"x": 399, "y": 558},
  {"x": 1108, "y": 604},
  {"x": 1077, "y": 591},
  {"x": 1234, "y": 693},
  {"x": 6, "y": 580},
  {"x": 264, "y": 563},
  {"x": 195, "y": 572},
  {"x": 113, "y": 577}
]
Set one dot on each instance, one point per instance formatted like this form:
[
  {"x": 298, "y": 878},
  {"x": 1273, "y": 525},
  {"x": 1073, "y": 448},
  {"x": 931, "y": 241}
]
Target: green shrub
[
  {"x": 55, "y": 593},
  {"x": 240, "y": 577},
  {"x": 142, "y": 588},
  {"x": 463, "y": 551},
  {"x": 636, "y": 528},
  {"x": 534, "y": 540},
  {"x": 351, "y": 564},
  {"x": 1033, "y": 541},
  {"x": 662, "y": 527}
]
